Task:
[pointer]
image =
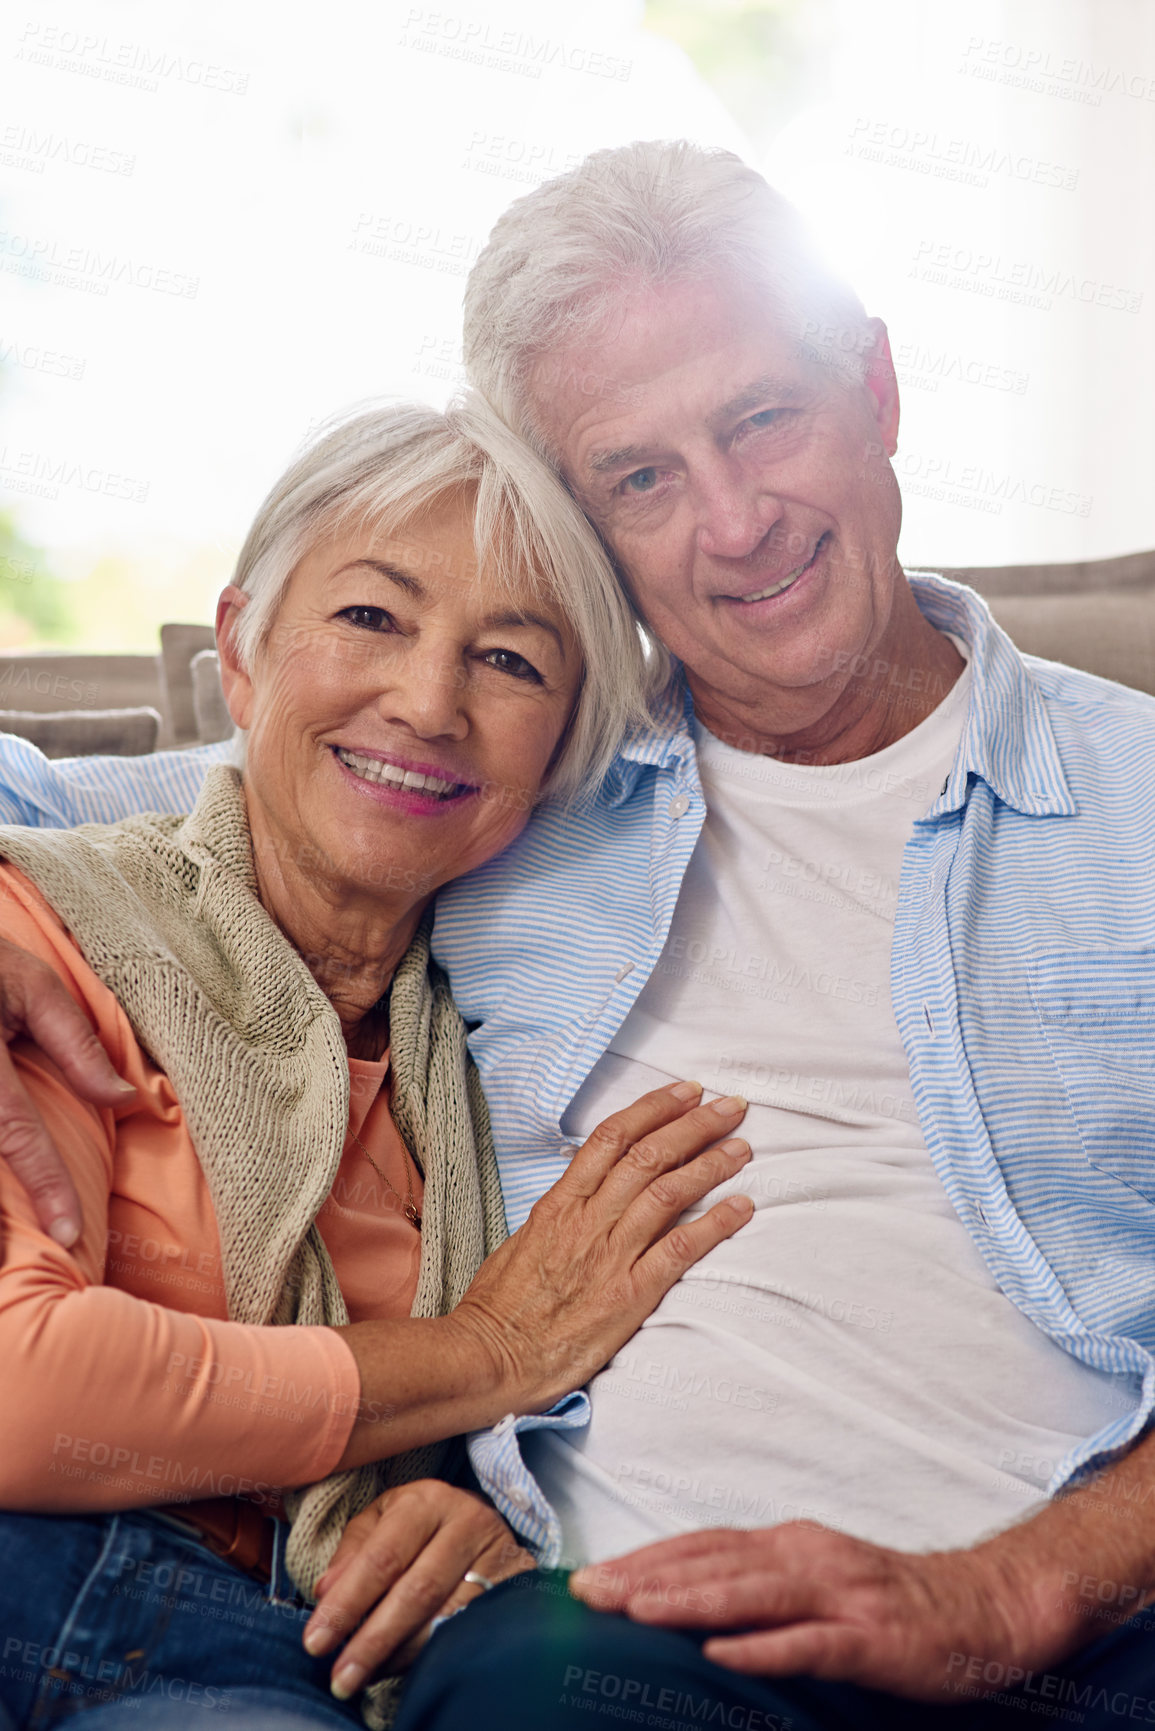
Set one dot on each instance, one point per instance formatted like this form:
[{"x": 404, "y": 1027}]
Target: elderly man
[{"x": 886, "y": 879}]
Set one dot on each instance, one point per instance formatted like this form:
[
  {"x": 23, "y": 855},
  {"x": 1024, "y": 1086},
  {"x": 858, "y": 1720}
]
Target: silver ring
[{"x": 475, "y": 1580}]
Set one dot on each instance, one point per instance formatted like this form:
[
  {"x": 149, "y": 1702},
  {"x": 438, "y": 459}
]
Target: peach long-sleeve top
[{"x": 123, "y": 1382}]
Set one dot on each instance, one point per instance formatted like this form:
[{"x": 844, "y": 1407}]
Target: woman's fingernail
[
  {"x": 64, "y": 1231},
  {"x": 347, "y": 1681},
  {"x": 686, "y": 1090},
  {"x": 734, "y": 1145},
  {"x": 729, "y": 1105},
  {"x": 316, "y": 1639}
]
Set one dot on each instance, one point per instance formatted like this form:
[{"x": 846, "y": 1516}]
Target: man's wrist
[{"x": 1051, "y": 1596}]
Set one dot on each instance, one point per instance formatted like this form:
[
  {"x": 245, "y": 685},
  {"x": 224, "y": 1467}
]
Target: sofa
[{"x": 1095, "y": 614}]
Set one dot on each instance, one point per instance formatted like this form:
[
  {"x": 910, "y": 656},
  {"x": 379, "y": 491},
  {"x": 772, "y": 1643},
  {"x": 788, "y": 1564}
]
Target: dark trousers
[{"x": 528, "y": 1657}]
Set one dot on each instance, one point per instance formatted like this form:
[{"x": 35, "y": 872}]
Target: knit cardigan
[{"x": 166, "y": 911}]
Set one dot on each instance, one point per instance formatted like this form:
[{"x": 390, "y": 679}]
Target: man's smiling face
[{"x": 744, "y": 488}]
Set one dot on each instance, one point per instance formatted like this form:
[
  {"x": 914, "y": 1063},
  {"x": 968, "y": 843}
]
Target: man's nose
[
  {"x": 735, "y": 513},
  {"x": 426, "y": 695}
]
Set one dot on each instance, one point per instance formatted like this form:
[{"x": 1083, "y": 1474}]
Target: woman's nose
[{"x": 427, "y": 694}]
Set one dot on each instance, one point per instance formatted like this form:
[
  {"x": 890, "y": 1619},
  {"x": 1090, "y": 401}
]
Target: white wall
[
  {"x": 222, "y": 222},
  {"x": 987, "y": 175}
]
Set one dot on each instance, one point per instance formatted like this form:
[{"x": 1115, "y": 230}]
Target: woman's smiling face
[{"x": 404, "y": 709}]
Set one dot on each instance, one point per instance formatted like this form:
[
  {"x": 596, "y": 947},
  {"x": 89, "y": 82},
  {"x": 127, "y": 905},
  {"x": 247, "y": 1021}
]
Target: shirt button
[
  {"x": 520, "y": 1499},
  {"x": 679, "y": 805}
]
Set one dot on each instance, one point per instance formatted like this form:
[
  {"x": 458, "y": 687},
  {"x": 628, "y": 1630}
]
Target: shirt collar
[
  {"x": 1007, "y": 739},
  {"x": 664, "y": 743}
]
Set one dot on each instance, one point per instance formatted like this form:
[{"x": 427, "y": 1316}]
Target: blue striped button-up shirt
[{"x": 1023, "y": 982}]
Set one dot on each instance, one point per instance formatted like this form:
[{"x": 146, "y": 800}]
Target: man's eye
[
  {"x": 507, "y": 661},
  {"x": 641, "y": 481},
  {"x": 764, "y": 418},
  {"x": 367, "y": 618}
]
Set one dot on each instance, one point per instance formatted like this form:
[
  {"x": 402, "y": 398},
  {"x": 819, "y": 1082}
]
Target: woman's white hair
[
  {"x": 383, "y": 468},
  {"x": 646, "y": 213}
]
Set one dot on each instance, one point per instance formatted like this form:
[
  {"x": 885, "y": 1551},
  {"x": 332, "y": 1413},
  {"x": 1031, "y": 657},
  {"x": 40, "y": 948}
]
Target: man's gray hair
[
  {"x": 383, "y": 469},
  {"x": 646, "y": 213}
]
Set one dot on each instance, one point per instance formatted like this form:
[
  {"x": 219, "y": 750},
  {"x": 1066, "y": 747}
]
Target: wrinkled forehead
[
  {"x": 623, "y": 341},
  {"x": 666, "y": 356}
]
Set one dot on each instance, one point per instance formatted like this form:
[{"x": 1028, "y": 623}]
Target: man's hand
[
  {"x": 35, "y": 1005},
  {"x": 811, "y": 1601},
  {"x": 399, "y": 1565}
]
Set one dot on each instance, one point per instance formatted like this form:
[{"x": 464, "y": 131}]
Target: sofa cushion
[
  {"x": 213, "y": 720},
  {"x": 1111, "y": 633},
  {"x": 86, "y": 732},
  {"x": 178, "y": 644},
  {"x": 1131, "y": 571},
  {"x": 1095, "y": 614}
]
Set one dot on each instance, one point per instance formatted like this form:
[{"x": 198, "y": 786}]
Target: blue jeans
[
  {"x": 528, "y": 1657},
  {"x": 134, "y": 1624}
]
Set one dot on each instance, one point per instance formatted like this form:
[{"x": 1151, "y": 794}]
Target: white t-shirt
[{"x": 847, "y": 1356}]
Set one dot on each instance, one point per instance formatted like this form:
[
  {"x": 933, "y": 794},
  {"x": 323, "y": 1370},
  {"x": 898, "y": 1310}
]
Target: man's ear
[
  {"x": 881, "y": 383},
  {"x": 238, "y": 687}
]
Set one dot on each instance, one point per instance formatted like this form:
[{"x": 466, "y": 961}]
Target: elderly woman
[{"x": 421, "y": 640}]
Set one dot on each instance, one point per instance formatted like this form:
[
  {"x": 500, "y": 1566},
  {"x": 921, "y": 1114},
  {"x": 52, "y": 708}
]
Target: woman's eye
[
  {"x": 506, "y": 661},
  {"x": 764, "y": 418},
  {"x": 367, "y": 618},
  {"x": 641, "y": 481}
]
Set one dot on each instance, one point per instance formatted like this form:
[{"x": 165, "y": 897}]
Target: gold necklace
[{"x": 408, "y": 1206}]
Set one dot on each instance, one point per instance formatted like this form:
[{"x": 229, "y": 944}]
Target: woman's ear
[{"x": 238, "y": 687}]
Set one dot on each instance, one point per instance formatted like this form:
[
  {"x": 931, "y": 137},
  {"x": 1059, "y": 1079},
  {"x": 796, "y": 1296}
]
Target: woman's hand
[
  {"x": 601, "y": 1248},
  {"x": 36, "y": 1005},
  {"x": 548, "y": 1309},
  {"x": 399, "y": 1565}
]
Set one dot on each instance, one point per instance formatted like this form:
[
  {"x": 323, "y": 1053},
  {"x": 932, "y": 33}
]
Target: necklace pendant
[{"x": 411, "y": 1214}]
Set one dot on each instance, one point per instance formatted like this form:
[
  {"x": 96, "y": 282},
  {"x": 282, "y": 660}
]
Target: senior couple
[{"x": 871, "y": 1452}]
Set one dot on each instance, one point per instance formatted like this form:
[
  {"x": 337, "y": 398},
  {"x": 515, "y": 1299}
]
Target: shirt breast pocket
[{"x": 1097, "y": 1010}]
